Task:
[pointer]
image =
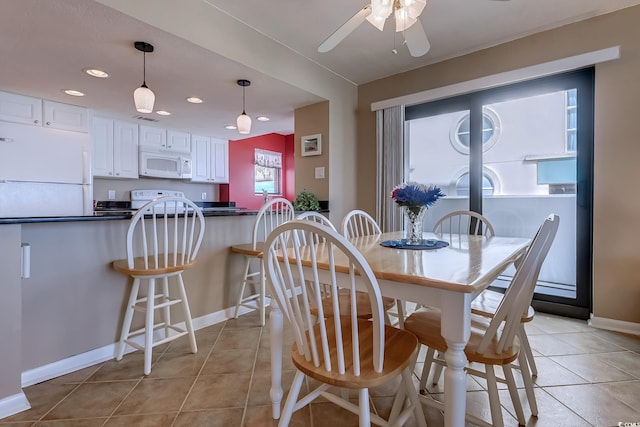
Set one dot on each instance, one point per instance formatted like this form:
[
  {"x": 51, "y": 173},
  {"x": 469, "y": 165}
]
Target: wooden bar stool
[
  {"x": 163, "y": 240},
  {"x": 273, "y": 213}
]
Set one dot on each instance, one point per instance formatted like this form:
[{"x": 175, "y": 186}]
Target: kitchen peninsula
[{"x": 67, "y": 314}]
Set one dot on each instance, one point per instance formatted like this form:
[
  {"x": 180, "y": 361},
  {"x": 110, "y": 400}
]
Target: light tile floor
[{"x": 587, "y": 377}]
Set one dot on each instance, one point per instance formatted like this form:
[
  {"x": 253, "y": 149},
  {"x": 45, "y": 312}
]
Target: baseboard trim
[
  {"x": 615, "y": 325},
  {"x": 108, "y": 352},
  {"x": 11, "y": 405}
]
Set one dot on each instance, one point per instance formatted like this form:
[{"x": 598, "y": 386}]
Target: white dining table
[{"x": 448, "y": 278}]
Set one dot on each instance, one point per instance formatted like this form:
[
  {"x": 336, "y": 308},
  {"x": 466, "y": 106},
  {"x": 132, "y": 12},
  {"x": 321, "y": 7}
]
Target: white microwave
[{"x": 164, "y": 164}]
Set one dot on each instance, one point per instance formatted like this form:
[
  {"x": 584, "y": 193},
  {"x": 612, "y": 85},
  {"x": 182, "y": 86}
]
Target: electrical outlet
[
  {"x": 203, "y": 196},
  {"x": 111, "y": 195}
]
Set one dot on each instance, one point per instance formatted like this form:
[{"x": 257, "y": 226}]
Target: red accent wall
[
  {"x": 241, "y": 158},
  {"x": 289, "y": 172}
]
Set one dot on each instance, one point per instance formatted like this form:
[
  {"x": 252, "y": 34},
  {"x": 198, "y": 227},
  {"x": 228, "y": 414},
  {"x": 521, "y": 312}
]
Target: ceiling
[{"x": 45, "y": 45}]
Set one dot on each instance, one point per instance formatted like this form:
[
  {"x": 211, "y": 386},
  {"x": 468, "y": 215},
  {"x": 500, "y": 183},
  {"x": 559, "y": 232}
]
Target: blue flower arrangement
[{"x": 414, "y": 195}]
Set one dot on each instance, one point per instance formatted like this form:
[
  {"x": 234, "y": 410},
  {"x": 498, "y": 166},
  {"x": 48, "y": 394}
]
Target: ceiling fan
[{"x": 406, "y": 14}]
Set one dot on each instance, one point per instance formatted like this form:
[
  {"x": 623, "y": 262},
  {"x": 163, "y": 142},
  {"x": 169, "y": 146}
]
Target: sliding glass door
[{"x": 516, "y": 154}]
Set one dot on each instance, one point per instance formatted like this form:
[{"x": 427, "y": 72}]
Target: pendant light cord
[
  {"x": 144, "y": 69},
  {"x": 243, "y": 90}
]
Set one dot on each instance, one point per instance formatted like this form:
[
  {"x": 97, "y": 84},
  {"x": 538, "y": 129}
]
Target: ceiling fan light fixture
[
  {"x": 243, "y": 121},
  {"x": 403, "y": 20},
  {"x": 144, "y": 97},
  {"x": 380, "y": 11},
  {"x": 414, "y": 7}
]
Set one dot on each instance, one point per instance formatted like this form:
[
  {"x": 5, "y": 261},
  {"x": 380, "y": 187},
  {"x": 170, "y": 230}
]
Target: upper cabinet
[
  {"x": 37, "y": 112},
  {"x": 64, "y": 116},
  {"x": 20, "y": 109},
  {"x": 153, "y": 137},
  {"x": 179, "y": 141},
  {"x": 165, "y": 139},
  {"x": 115, "y": 148},
  {"x": 210, "y": 158}
]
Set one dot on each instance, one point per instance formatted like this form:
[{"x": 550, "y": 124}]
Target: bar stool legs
[{"x": 148, "y": 305}]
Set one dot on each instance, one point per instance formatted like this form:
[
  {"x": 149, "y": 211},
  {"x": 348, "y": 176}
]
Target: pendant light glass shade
[
  {"x": 244, "y": 121},
  {"x": 144, "y": 97}
]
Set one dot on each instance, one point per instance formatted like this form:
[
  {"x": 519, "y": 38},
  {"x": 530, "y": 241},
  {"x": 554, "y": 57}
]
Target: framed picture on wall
[{"x": 311, "y": 145}]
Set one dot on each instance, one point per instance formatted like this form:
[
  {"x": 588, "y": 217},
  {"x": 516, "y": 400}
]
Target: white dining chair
[
  {"x": 464, "y": 222},
  {"x": 162, "y": 241},
  {"x": 357, "y": 223},
  {"x": 338, "y": 352},
  {"x": 344, "y": 304},
  {"x": 493, "y": 341},
  {"x": 274, "y": 212},
  {"x": 486, "y": 304}
]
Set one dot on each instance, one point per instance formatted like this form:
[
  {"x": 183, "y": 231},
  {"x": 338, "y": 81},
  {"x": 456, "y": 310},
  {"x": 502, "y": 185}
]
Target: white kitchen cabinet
[
  {"x": 220, "y": 160},
  {"x": 37, "y": 112},
  {"x": 210, "y": 159},
  {"x": 57, "y": 115},
  {"x": 179, "y": 141},
  {"x": 20, "y": 109},
  {"x": 163, "y": 139},
  {"x": 153, "y": 137},
  {"x": 115, "y": 148}
]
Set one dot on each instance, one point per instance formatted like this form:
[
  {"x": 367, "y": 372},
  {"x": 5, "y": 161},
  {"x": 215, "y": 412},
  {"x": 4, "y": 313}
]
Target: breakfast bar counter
[{"x": 66, "y": 314}]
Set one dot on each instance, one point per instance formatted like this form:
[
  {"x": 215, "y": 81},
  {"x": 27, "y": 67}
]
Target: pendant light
[
  {"x": 244, "y": 121},
  {"x": 143, "y": 96}
]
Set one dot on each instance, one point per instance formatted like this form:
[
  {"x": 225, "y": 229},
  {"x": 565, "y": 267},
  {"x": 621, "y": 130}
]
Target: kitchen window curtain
[
  {"x": 268, "y": 159},
  {"x": 390, "y": 148}
]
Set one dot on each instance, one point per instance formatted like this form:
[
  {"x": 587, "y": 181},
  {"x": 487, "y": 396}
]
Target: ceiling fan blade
[
  {"x": 416, "y": 40},
  {"x": 345, "y": 29}
]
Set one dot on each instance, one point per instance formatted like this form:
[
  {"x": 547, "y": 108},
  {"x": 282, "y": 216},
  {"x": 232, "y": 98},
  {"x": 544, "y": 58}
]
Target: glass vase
[{"x": 414, "y": 216}]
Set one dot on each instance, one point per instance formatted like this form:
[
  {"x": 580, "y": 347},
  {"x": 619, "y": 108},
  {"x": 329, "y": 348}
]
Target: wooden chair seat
[
  {"x": 486, "y": 304},
  {"x": 139, "y": 268},
  {"x": 399, "y": 347},
  {"x": 363, "y": 305},
  {"x": 425, "y": 324}
]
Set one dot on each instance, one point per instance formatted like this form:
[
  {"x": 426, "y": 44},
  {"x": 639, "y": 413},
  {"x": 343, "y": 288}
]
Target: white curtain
[
  {"x": 391, "y": 162},
  {"x": 268, "y": 159}
]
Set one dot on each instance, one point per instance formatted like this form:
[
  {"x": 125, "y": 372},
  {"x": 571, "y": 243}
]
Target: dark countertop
[{"x": 112, "y": 216}]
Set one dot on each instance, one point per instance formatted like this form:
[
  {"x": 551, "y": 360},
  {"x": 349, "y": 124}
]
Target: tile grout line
[
  {"x": 198, "y": 374},
  {"x": 253, "y": 371},
  {"x": 65, "y": 396}
]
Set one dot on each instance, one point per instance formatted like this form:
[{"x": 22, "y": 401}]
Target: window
[
  {"x": 572, "y": 119},
  {"x": 267, "y": 171},
  {"x": 462, "y": 185},
  {"x": 490, "y": 131}
]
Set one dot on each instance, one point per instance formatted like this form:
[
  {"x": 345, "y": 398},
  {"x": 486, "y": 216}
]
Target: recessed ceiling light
[
  {"x": 73, "y": 92},
  {"x": 195, "y": 100},
  {"x": 230, "y": 127},
  {"x": 263, "y": 118},
  {"x": 96, "y": 73},
  {"x": 163, "y": 113}
]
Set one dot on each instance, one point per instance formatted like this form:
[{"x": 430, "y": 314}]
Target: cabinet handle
[
  {"x": 2, "y": 139},
  {"x": 110, "y": 173},
  {"x": 48, "y": 123},
  {"x": 36, "y": 121},
  {"x": 118, "y": 174}
]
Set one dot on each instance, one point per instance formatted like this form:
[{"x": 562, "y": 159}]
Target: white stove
[{"x": 139, "y": 198}]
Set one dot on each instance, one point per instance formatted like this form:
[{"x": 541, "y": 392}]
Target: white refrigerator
[{"x": 44, "y": 172}]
